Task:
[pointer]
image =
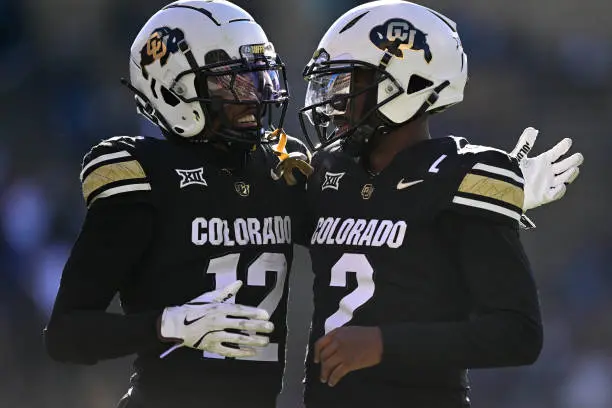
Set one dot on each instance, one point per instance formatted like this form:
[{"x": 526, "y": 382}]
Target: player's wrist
[{"x": 167, "y": 330}]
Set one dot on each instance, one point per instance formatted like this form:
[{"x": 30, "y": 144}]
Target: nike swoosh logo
[
  {"x": 402, "y": 185},
  {"x": 188, "y": 322}
]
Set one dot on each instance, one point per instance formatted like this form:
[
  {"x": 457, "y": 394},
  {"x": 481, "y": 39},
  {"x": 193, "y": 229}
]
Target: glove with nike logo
[
  {"x": 546, "y": 177},
  {"x": 203, "y": 324}
]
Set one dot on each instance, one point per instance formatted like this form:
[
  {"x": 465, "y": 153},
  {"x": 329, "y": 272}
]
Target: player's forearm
[
  {"x": 505, "y": 328},
  {"x": 85, "y": 337},
  {"x": 499, "y": 339},
  {"x": 112, "y": 240}
]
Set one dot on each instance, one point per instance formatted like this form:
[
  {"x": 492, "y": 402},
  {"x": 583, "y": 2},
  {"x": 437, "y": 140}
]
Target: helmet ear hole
[
  {"x": 417, "y": 83},
  {"x": 169, "y": 97}
]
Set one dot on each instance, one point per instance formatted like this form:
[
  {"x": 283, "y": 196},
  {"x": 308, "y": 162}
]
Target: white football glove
[
  {"x": 545, "y": 177},
  {"x": 202, "y": 324}
]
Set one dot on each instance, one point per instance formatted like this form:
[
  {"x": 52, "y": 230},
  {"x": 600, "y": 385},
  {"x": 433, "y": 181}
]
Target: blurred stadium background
[{"x": 545, "y": 63}]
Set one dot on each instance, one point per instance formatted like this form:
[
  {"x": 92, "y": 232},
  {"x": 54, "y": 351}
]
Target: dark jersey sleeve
[
  {"x": 112, "y": 240},
  {"x": 301, "y": 226},
  {"x": 112, "y": 168},
  {"x": 487, "y": 183},
  {"x": 505, "y": 327},
  {"x": 310, "y": 199},
  {"x": 300, "y": 220}
]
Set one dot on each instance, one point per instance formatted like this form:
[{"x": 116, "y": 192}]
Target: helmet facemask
[
  {"x": 226, "y": 90},
  {"x": 198, "y": 67},
  {"x": 419, "y": 63},
  {"x": 240, "y": 97},
  {"x": 341, "y": 101}
]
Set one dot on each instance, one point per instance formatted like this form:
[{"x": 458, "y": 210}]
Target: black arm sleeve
[
  {"x": 113, "y": 238},
  {"x": 302, "y": 219},
  {"x": 505, "y": 328}
]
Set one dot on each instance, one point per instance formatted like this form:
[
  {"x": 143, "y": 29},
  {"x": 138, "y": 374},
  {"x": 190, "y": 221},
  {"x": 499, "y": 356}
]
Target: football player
[
  {"x": 177, "y": 226},
  {"x": 170, "y": 219},
  {"x": 419, "y": 270}
]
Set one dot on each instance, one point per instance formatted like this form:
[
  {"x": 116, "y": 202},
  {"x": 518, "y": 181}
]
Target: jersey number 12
[{"x": 225, "y": 269}]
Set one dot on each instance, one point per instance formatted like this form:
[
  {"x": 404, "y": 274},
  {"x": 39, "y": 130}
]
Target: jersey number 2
[
  {"x": 358, "y": 264},
  {"x": 225, "y": 269}
]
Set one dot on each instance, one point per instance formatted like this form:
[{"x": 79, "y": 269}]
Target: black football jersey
[
  {"x": 376, "y": 252},
  {"x": 219, "y": 217}
]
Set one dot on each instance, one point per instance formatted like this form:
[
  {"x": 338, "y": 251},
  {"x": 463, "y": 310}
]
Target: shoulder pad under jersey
[{"x": 111, "y": 168}]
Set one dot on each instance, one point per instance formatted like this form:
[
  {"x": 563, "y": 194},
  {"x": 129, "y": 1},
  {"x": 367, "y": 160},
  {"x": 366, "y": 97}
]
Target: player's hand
[
  {"x": 347, "y": 349},
  {"x": 289, "y": 161},
  {"x": 203, "y": 324},
  {"x": 293, "y": 161},
  {"x": 546, "y": 177}
]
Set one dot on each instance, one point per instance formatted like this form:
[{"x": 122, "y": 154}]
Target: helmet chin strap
[
  {"x": 431, "y": 99},
  {"x": 354, "y": 145},
  {"x": 360, "y": 141},
  {"x": 235, "y": 139}
]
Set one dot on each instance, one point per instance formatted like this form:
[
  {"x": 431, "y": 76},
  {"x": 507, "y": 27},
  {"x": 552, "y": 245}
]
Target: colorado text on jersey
[
  {"x": 243, "y": 231},
  {"x": 361, "y": 232}
]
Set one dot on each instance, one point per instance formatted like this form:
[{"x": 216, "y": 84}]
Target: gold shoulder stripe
[
  {"x": 102, "y": 159},
  {"x": 110, "y": 173},
  {"x": 493, "y": 188}
]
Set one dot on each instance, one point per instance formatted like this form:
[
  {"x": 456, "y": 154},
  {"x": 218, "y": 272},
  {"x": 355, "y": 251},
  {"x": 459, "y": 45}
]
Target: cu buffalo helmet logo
[
  {"x": 162, "y": 42},
  {"x": 410, "y": 38}
]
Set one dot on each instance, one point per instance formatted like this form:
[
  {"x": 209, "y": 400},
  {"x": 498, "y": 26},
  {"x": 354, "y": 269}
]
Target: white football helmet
[
  {"x": 414, "y": 53},
  {"x": 200, "y": 68}
]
